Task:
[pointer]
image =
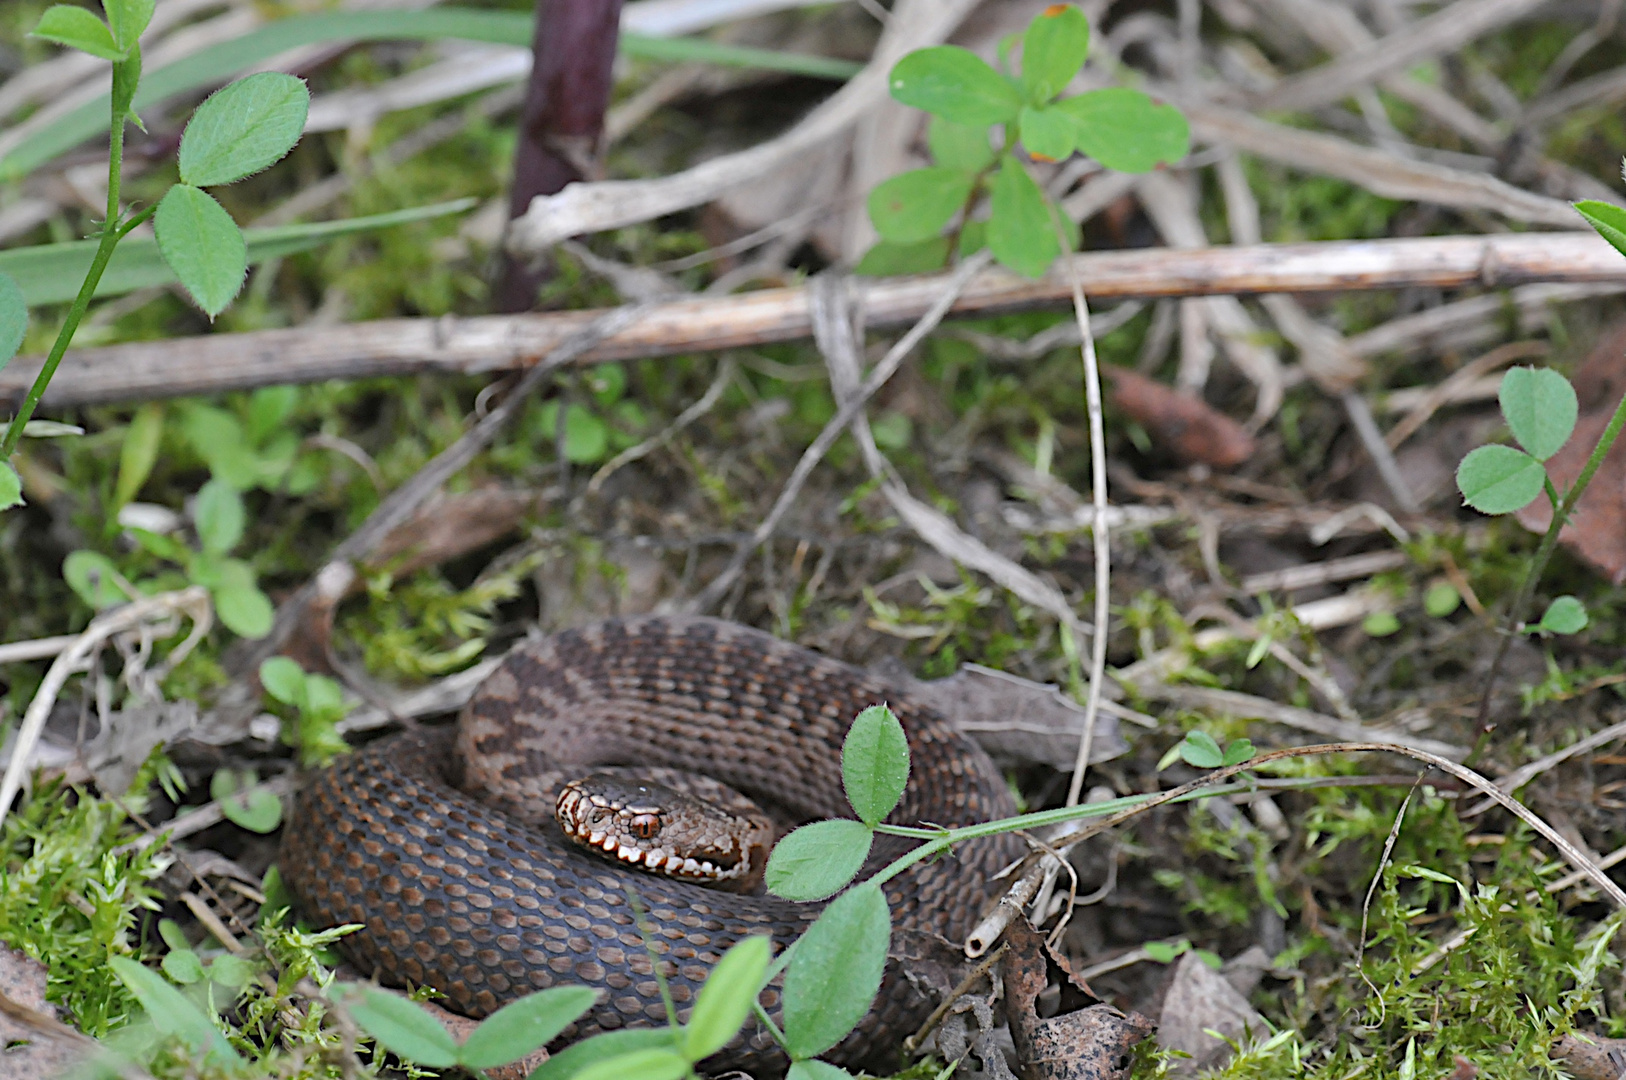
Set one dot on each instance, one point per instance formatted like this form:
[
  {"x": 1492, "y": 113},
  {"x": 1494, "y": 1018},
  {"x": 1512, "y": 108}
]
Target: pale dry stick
[
  {"x": 1442, "y": 32},
  {"x": 192, "y": 602},
  {"x": 608, "y": 204},
  {"x": 838, "y": 423},
  {"x": 1325, "y": 572},
  {"x": 1360, "y": 418},
  {"x": 196, "y": 819},
  {"x": 708, "y": 400},
  {"x": 1463, "y": 376},
  {"x": 482, "y": 344},
  {"x": 17, "y": 652},
  {"x": 1468, "y": 324},
  {"x": 1521, "y": 776}
]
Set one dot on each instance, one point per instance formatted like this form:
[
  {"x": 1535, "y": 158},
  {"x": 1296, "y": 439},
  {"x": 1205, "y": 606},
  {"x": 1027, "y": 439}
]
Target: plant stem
[
  {"x": 126, "y": 73},
  {"x": 1527, "y": 590}
]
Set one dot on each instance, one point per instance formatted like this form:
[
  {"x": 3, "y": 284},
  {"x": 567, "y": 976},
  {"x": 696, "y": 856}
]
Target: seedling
[
  {"x": 926, "y": 214},
  {"x": 241, "y": 129}
]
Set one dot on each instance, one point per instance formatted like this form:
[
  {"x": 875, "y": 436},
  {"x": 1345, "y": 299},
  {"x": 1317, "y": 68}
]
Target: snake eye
[{"x": 645, "y": 826}]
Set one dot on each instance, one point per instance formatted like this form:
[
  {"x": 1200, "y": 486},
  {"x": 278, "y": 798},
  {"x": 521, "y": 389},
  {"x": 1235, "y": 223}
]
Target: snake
[{"x": 440, "y": 843}]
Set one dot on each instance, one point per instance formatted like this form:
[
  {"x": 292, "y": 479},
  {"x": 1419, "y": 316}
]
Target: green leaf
[
  {"x": 1609, "y": 220},
  {"x": 1499, "y": 479},
  {"x": 219, "y": 515},
  {"x": 172, "y": 934},
  {"x": 13, "y": 318},
  {"x": 283, "y": 679},
  {"x": 1053, "y": 49},
  {"x": 568, "y": 1063},
  {"x": 50, "y": 429},
  {"x": 1540, "y": 406},
  {"x": 1200, "y": 751},
  {"x": 230, "y": 971},
  {"x": 956, "y": 84},
  {"x": 1239, "y": 751},
  {"x": 725, "y": 1000},
  {"x": 11, "y": 487},
  {"x": 1441, "y": 599},
  {"x": 525, "y": 1025},
  {"x": 1126, "y": 130},
  {"x": 887, "y": 259},
  {"x": 836, "y": 971},
  {"x": 128, "y": 20},
  {"x": 402, "y": 1027},
  {"x": 182, "y": 966},
  {"x": 814, "y": 1069},
  {"x": 1164, "y": 952},
  {"x": 242, "y": 128},
  {"x": 94, "y": 578},
  {"x": 203, "y": 245},
  {"x": 959, "y": 146},
  {"x": 138, "y": 453},
  {"x": 1565, "y": 615},
  {"x": 587, "y": 437},
  {"x": 245, "y": 801},
  {"x": 818, "y": 860},
  {"x": 1020, "y": 231},
  {"x": 52, "y": 273},
  {"x": 170, "y": 1011},
  {"x": 915, "y": 205},
  {"x": 1048, "y": 133},
  {"x": 1380, "y": 624},
  {"x": 78, "y": 29},
  {"x": 875, "y": 763},
  {"x": 244, "y": 610},
  {"x": 324, "y": 695},
  {"x": 639, "y": 1065}
]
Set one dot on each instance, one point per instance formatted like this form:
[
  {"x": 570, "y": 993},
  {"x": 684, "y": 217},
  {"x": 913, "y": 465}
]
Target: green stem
[
  {"x": 126, "y": 74},
  {"x": 1549, "y": 544}
]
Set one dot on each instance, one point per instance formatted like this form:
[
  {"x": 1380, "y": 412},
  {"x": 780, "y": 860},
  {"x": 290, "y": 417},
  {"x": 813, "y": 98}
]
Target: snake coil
[{"x": 442, "y": 846}]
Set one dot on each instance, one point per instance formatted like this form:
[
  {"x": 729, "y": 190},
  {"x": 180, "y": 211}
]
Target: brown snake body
[{"x": 443, "y": 847}]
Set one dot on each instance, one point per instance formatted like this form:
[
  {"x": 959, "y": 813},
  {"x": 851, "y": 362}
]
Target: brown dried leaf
[
  {"x": 1186, "y": 427},
  {"x": 36, "y": 1045},
  {"x": 1597, "y": 530},
  {"x": 1591, "y": 1057},
  {"x": 450, "y": 526},
  {"x": 1089, "y": 1043},
  {"x": 1200, "y": 1000}
]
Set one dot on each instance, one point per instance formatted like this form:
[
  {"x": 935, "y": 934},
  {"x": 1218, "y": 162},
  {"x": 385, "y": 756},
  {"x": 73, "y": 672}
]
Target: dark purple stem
[{"x": 563, "y": 119}]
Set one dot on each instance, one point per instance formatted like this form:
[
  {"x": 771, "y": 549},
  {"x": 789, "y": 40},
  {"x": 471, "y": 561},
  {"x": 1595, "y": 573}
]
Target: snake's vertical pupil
[{"x": 645, "y": 826}]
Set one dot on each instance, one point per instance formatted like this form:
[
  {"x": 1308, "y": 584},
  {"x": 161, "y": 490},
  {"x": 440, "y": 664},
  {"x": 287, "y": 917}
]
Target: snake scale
[{"x": 442, "y": 845}]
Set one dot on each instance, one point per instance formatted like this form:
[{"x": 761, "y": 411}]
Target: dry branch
[{"x": 483, "y": 344}]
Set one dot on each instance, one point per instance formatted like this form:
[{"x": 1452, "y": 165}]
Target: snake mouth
[{"x": 654, "y": 828}]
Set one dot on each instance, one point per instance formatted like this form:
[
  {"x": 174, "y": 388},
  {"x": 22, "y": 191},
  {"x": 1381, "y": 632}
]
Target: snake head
[{"x": 664, "y": 831}]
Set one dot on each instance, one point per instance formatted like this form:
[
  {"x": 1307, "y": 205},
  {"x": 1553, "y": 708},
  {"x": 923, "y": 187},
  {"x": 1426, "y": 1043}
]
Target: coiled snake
[{"x": 443, "y": 846}]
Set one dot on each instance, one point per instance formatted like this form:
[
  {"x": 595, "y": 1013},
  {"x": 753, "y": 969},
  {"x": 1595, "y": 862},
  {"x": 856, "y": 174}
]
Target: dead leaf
[
  {"x": 1201, "y": 1000},
  {"x": 35, "y": 1043},
  {"x": 1597, "y": 530},
  {"x": 1185, "y": 427},
  {"x": 1591, "y": 1057},
  {"x": 1089, "y": 1041},
  {"x": 450, "y": 526}
]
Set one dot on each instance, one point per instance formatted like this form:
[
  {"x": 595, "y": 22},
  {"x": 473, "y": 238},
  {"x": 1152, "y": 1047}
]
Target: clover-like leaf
[
  {"x": 836, "y": 971},
  {"x": 243, "y": 127},
  {"x": 1200, "y": 751},
  {"x": 128, "y": 20},
  {"x": 1021, "y": 233},
  {"x": 283, "y": 679},
  {"x": 956, "y": 84},
  {"x": 959, "y": 146},
  {"x": 78, "y": 28},
  {"x": 245, "y": 801},
  {"x": 1565, "y": 615},
  {"x": 818, "y": 860},
  {"x": 1499, "y": 479},
  {"x": 1053, "y": 49},
  {"x": 11, "y": 487},
  {"x": 888, "y": 258},
  {"x": 725, "y": 1000},
  {"x": 1048, "y": 133},
  {"x": 1609, "y": 220},
  {"x": 875, "y": 763},
  {"x": 202, "y": 245},
  {"x": 522, "y": 1026},
  {"x": 1124, "y": 129},
  {"x": 220, "y": 517},
  {"x": 1540, "y": 407},
  {"x": 402, "y": 1027},
  {"x": 915, "y": 205}
]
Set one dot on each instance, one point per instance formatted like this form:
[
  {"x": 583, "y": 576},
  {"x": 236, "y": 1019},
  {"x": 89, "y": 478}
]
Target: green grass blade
[
  {"x": 51, "y": 273},
  {"x": 219, "y": 63}
]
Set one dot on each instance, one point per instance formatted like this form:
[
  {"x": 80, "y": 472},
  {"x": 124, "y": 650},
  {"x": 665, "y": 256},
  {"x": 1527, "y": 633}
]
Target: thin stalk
[
  {"x": 126, "y": 74},
  {"x": 1527, "y": 590}
]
